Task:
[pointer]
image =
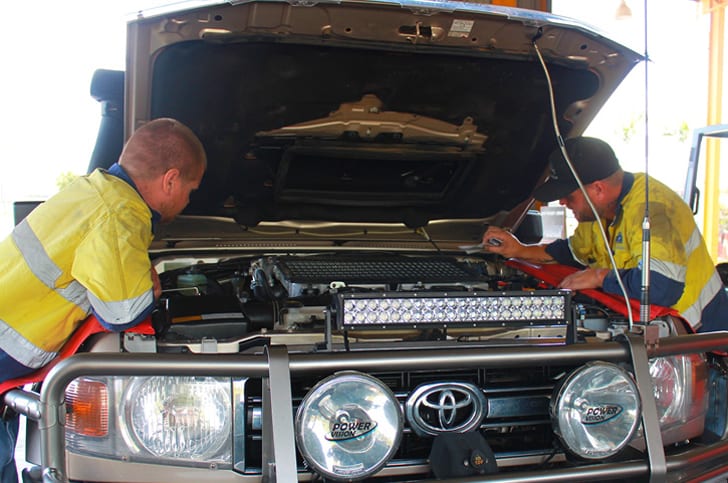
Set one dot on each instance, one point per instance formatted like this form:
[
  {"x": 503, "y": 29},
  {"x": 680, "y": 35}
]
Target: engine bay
[{"x": 338, "y": 301}]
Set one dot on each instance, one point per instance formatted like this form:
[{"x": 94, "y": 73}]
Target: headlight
[
  {"x": 184, "y": 417},
  {"x": 679, "y": 386},
  {"x": 348, "y": 426},
  {"x": 596, "y": 410},
  {"x": 162, "y": 420},
  {"x": 669, "y": 390}
]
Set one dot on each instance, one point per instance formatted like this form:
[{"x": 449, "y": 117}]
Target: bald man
[{"x": 85, "y": 251}]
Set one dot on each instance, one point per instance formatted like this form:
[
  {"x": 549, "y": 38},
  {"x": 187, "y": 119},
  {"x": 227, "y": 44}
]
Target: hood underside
[{"x": 368, "y": 112}]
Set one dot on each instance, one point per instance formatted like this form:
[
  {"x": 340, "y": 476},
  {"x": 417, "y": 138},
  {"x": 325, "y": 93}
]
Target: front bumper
[{"x": 277, "y": 366}]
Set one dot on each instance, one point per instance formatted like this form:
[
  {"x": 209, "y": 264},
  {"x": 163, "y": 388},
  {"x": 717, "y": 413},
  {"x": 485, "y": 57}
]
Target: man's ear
[
  {"x": 598, "y": 189},
  {"x": 170, "y": 179}
]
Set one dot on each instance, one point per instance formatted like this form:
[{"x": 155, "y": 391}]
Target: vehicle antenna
[{"x": 645, "y": 288}]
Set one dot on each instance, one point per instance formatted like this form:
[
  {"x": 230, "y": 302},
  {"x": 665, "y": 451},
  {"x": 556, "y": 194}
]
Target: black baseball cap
[{"x": 592, "y": 158}]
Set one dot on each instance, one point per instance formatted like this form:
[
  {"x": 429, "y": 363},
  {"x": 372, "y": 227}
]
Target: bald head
[
  {"x": 166, "y": 161},
  {"x": 160, "y": 145}
]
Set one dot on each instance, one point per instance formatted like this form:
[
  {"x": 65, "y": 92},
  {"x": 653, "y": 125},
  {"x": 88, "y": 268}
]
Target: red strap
[
  {"x": 144, "y": 327},
  {"x": 552, "y": 274},
  {"x": 89, "y": 327}
]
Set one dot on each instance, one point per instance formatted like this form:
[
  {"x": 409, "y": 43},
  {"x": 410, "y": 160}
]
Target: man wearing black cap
[{"x": 682, "y": 274}]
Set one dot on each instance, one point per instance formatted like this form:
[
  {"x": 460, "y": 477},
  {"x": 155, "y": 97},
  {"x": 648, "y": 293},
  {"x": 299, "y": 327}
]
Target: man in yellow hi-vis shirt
[
  {"x": 85, "y": 251},
  {"x": 682, "y": 274}
]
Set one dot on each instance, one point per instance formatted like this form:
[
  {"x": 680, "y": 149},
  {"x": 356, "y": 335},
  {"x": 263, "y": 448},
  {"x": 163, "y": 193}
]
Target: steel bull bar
[{"x": 275, "y": 366}]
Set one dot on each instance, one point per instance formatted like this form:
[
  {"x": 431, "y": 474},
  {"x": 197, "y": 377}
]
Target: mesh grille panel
[{"x": 362, "y": 270}]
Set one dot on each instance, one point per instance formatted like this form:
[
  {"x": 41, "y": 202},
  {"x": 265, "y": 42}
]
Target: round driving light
[
  {"x": 348, "y": 426},
  {"x": 596, "y": 410},
  {"x": 181, "y": 417}
]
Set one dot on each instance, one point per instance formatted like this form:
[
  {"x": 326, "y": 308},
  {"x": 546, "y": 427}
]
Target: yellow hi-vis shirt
[
  {"x": 679, "y": 260},
  {"x": 84, "y": 248}
]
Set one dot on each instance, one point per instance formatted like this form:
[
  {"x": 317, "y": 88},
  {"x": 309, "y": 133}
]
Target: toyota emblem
[{"x": 445, "y": 407}]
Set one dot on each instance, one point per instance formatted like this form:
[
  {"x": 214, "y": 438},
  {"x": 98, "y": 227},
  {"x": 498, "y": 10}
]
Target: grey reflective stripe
[
  {"x": 77, "y": 294},
  {"x": 35, "y": 255},
  {"x": 695, "y": 311},
  {"x": 123, "y": 311},
  {"x": 21, "y": 349},
  {"x": 44, "y": 268},
  {"x": 673, "y": 271},
  {"x": 692, "y": 315},
  {"x": 693, "y": 242}
]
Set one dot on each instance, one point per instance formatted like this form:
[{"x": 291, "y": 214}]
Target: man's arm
[
  {"x": 497, "y": 240},
  {"x": 667, "y": 263},
  {"x": 664, "y": 290},
  {"x": 156, "y": 283},
  {"x": 112, "y": 263}
]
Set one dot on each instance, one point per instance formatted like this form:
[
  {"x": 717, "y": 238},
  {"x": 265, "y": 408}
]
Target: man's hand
[
  {"x": 504, "y": 243},
  {"x": 589, "y": 278},
  {"x": 157, "y": 284},
  {"x": 497, "y": 240}
]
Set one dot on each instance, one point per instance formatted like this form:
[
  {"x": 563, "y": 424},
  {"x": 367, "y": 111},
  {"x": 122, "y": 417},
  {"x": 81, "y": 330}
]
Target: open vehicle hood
[{"x": 382, "y": 112}]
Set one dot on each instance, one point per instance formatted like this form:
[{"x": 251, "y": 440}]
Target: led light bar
[{"x": 452, "y": 309}]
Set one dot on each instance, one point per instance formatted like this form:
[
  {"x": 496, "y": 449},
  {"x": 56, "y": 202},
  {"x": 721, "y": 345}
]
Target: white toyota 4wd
[{"x": 322, "y": 315}]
